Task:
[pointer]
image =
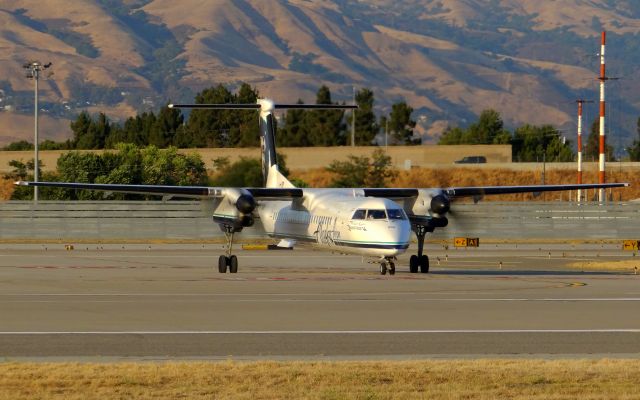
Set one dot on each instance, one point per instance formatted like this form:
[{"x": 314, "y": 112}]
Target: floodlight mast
[{"x": 33, "y": 70}]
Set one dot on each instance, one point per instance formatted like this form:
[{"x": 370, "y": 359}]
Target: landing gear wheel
[
  {"x": 392, "y": 269},
  {"x": 233, "y": 264},
  {"x": 413, "y": 264},
  {"x": 424, "y": 264},
  {"x": 383, "y": 268},
  {"x": 222, "y": 264}
]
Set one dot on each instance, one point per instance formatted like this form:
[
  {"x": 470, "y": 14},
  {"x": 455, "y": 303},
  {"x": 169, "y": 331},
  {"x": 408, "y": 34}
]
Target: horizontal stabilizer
[
  {"x": 252, "y": 106},
  {"x": 256, "y": 106}
]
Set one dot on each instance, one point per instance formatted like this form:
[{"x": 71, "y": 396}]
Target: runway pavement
[{"x": 168, "y": 301}]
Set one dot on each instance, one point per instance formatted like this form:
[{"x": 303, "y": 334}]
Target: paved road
[{"x": 167, "y": 301}]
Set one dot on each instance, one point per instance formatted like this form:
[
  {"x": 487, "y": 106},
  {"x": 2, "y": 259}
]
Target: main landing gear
[
  {"x": 387, "y": 264},
  {"x": 420, "y": 260},
  {"x": 228, "y": 261}
]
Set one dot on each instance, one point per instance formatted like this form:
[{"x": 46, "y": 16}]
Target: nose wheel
[
  {"x": 228, "y": 261},
  {"x": 387, "y": 266}
]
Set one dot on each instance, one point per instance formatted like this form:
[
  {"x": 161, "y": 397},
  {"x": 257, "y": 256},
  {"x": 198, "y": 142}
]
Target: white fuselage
[{"x": 326, "y": 219}]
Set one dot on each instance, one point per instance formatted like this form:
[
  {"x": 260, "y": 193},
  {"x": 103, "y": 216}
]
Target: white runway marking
[
  {"x": 327, "y": 332},
  {"x": 354, "y": 297}
]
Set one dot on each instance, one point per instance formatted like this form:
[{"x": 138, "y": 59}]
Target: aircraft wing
[
  {"x": 486, "y": 190},
  {"x": 201, "y": 192},
  {"x": 196, "y": 192}
]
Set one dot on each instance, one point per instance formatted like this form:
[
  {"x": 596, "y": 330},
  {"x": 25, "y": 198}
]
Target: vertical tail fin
[{"x": 271, "y": 176}]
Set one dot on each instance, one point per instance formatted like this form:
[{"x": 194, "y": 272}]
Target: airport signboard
[
  {"x": 466, "y": 242},
  {"x": 630, "y": 245}
]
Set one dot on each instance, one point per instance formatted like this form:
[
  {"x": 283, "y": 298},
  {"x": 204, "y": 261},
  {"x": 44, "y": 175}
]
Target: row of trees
[
  {"x": 129, "y": 164},
  {"x": 529, "y": 142},
  {"x": 237, "y": 128}
]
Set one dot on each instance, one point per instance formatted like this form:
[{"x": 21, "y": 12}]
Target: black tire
[
  {"x": 222, "y": 264},
  {"x": 424, "y": 264},
  {"x": 233, "y": 264},
  {"x": 413, "y": 264},
  {"x": 383, "y": 268},
  {"x": 392, "y": 269}
]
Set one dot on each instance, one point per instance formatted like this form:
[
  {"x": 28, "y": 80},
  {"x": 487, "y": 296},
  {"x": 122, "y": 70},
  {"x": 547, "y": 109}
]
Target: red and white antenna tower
[
  {"x": 603, "y": 79},
  {"x": 580, "y": 104}
]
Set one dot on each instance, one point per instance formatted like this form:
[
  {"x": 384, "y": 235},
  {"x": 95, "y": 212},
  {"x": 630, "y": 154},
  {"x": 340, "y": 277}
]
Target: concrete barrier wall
[
  {"x": 178, "y": 220},
  {"x": 303, "y": 158},
  {"x": 311, "y": 157}
]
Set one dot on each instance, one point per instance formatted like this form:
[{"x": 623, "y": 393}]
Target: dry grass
[
  {"x": 632, "y": 265},
  {"x": 6, "y": 188},
  {"x": 441, "y": 379},
  {"x": 425, "y": 178}
]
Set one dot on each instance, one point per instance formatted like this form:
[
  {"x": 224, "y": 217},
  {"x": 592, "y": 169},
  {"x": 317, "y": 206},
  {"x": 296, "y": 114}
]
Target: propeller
[{"x": 440, "y": 204}]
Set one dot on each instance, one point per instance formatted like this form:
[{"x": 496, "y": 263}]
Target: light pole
[
  {"x": 33, "y": 72},
  {"x": 353, "y": 120}
]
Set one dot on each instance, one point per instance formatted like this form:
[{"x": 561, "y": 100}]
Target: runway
[{"x": 168, "y": 301}]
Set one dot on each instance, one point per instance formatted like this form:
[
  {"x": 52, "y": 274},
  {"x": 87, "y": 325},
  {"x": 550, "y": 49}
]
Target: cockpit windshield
[
  {"x": 396, "y": 213},
  {"x": 376, "y": 214},
  {"x": 379, "y": 214},
  {"x": 359, "y": 214}
]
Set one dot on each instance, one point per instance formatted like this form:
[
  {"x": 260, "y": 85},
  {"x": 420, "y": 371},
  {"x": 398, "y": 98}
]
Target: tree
[
  {"x": 452, "y": 136},
  {"x": 325, "y": 127},
  {"x": 99, "y": 130},
  {"x": 165, "y": 127},
  {"x": 24, "y": 171},
  {"x": 208, "y": 128},
  {"x": 128, "y": 164},
  {"x": 592, "y": 149},
  {"x": 246, "y": 172},
  {"x": 535, "y": 143},
  {"x": 400, "y": 123},
  {"x": 634, "y": 149},
  {"x": 246, "y": 131},
  {"x": 489, "y": 129},
  {"x": 21, "y": 145},
  {"x": 358, "y": 171},
  {"x": 294, "y": 133},
  {"x": 80, "y": 129},
  {"x": 90, "y": 134},
  {"x": 222, "y": 128},
  {"x": 366, "y": 127}
]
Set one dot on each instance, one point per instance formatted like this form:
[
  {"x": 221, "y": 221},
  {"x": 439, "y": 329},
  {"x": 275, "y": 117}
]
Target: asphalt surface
[{"x": 168, "y": 301}]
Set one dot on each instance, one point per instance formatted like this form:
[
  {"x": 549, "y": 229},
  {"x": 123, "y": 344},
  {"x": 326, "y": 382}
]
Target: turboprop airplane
[{"x": 373, "y": 222}]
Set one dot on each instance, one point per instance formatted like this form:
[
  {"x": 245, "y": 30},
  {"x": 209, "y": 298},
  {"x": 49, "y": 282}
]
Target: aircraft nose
[{"x": 399, "y": 234}]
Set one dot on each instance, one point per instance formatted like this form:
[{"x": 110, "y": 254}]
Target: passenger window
[
  {"x": 359, "y": 214},
  {"x": 376, "y": 214},
  {"x": 396, "y": 213}
]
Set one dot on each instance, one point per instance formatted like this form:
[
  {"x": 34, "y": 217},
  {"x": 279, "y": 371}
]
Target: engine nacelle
[
  {"x": 235, "y": 209},
  {"x": 246, "y": 203},
  {"x": 246, "y": 220},
  {"x": 440, "y": 204}
]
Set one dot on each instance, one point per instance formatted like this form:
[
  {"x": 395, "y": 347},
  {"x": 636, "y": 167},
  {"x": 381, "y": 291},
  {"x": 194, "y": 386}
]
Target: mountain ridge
[{"x": 449, "y": 59}]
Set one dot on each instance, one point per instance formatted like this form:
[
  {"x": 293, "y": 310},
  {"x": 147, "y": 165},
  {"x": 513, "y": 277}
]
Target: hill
[{"x": 449, "y": 59}]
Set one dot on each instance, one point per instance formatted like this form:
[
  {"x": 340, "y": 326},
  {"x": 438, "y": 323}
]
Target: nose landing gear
[
  {"x": 228, "y": 261},
  {"x": 419, "y": 261},
  {"x": 387, "y": 265}
]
